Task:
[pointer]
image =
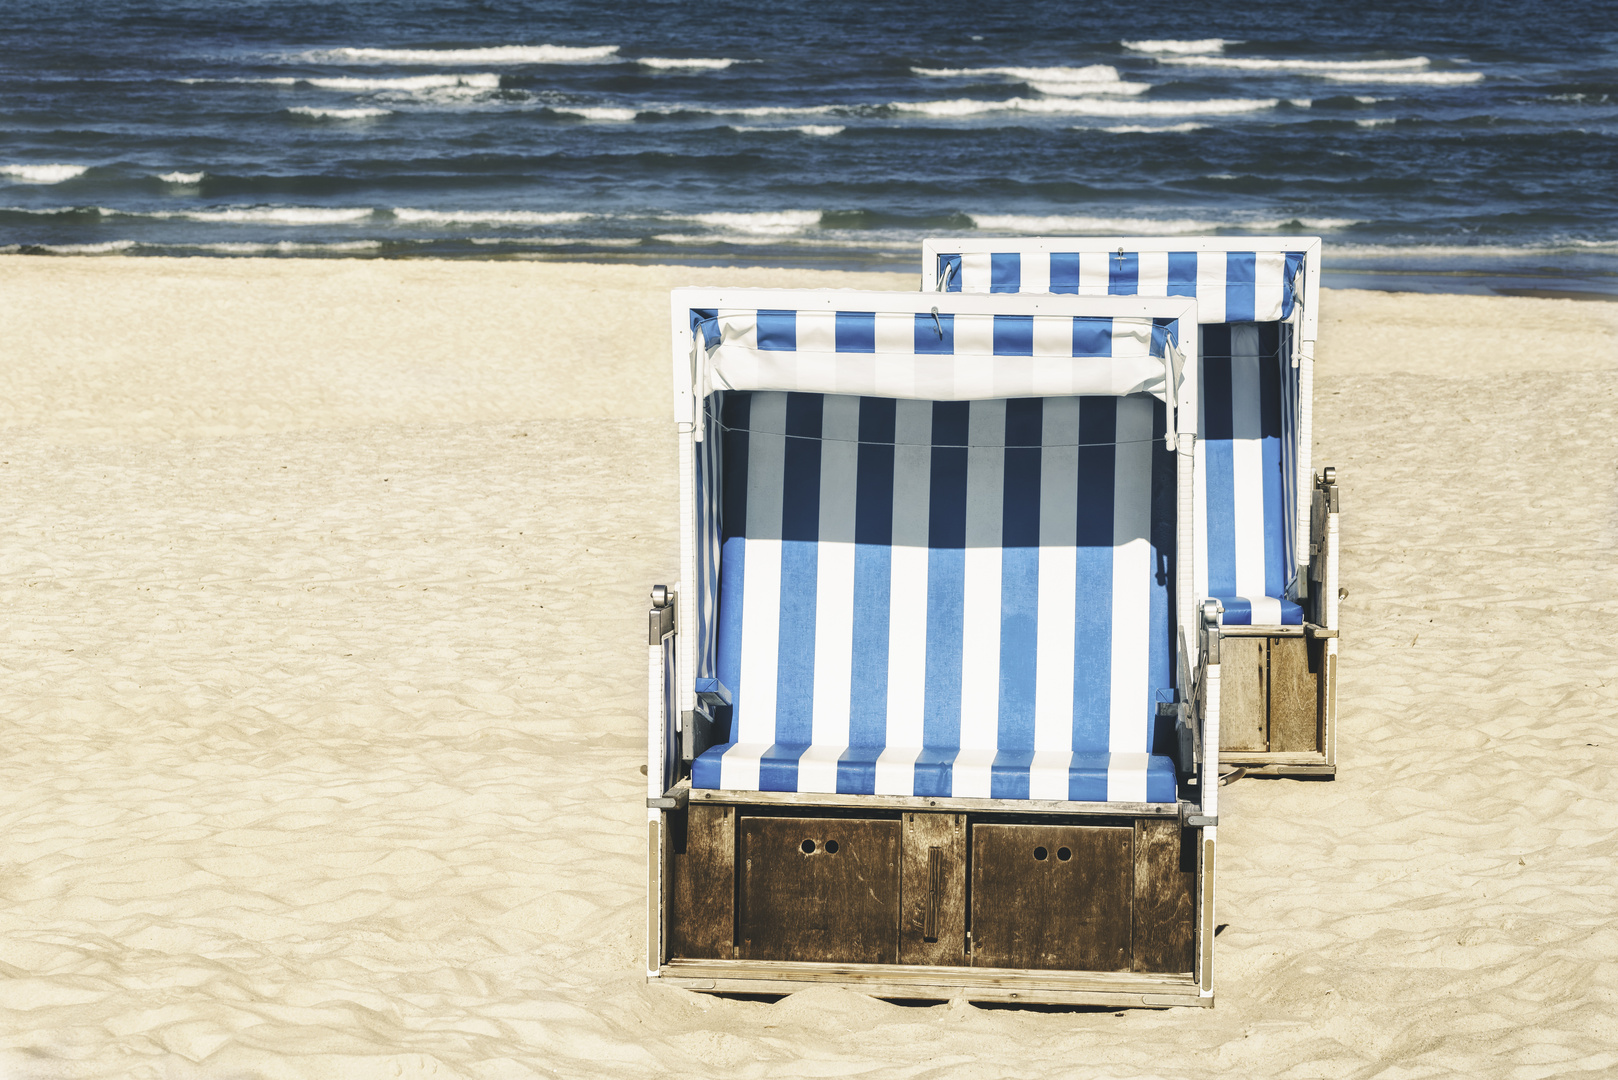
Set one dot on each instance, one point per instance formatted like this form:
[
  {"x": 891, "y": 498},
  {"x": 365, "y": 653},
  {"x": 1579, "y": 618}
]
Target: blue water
[{"x": 1472, "y": 145}]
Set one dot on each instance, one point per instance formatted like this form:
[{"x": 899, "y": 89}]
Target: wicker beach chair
[
  {"x": 1267, "y": 526},
  {"x": 927, "y": 707}
]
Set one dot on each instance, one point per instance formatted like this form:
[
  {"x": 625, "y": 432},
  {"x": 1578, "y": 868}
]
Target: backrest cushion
[{"x": 989, "y": 574}]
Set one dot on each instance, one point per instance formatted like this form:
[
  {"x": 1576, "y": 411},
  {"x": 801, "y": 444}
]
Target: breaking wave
[
  {"x": 181, "y": 177},
  {"x": 486, "y": 217},
  {"x": 338, "y": 114},
  {"x": 1143, "y": 226},
  {"x": 499, "y": 54},
  {"x": 1202, "y": 45},
  {"x": 1308, "y": 67},
  {"x": 660, "y": 63},
  {"x": 817, "y": 130},
  {"x": 1088, "y": 107},
  {"x": 42, "y": 174}
]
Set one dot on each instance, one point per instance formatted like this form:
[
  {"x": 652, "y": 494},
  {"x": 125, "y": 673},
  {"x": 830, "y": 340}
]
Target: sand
[{"x": 321, "y": 703}]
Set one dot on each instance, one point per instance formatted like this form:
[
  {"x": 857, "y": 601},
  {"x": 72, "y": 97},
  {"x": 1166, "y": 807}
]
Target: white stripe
[
  {"x": 1053, "y": 336},
  {"x": 1094, "y": 275},
  {"x": 975, "y": 273},
  {"x": 1048, "y": 775},
  {"x": 907, "y": 595},
  {"x": 1247, "y": 460},
  {"x": 761, "y": 587},
  {"x": 738, "y": 327},
  {"x": 1058, "y": 577},
  {"x": 834, "y": 586},
  {"x": 980, "y": 632},
  {"x": 1199, "y": 487},
  {"x": 817, "y": 331},
  {"x": 895, "y": 332},
  {"x": 1036, "y": 273},
  {"x": 974, "y": 334},
  {"x": 1131, "y": 576},
  {"x": 817, "y": 768},
  {"x": 1266, "y": 610},
  {"x": 1269, "y": 268},
  {"x": 1126, "y": 777},
  {"x": 1211, "y": 286},
  {"x": 1154, "y": 274},
  {"x": 972, "y": 775},
  {"x": 896, "y": 767},
  {"x": 738, "y": 769}
]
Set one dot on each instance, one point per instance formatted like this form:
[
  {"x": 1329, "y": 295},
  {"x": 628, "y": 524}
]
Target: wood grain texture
[
  {"x": 819, "y": 889},
  {"x": 1165, "y": 912},
  {"x": 1294, "y": 694},
  {"x": 702, "y": 892},
  {"x": 1242, "y": 694},
  {"x": 1051, "y": 913},
  {"x": 925, "y": 834}
]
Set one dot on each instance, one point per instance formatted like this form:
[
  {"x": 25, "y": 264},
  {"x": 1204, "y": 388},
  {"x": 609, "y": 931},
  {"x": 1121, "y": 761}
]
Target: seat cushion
[
  {"x": 1260, "y": 611},
  {"x": 915, "y": 770}
]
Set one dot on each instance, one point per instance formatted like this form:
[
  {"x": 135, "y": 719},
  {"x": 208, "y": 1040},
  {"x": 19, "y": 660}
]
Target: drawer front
[
  {"x": 1052, "y": 897},
  {"x": 819, "y": 889}
]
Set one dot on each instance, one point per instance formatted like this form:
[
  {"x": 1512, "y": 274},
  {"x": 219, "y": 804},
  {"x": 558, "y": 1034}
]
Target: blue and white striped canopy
[
  {"x": 934, "y": 357},
  {"x": 943, "y": 598},
  {"x": 1229, "y": 286}
]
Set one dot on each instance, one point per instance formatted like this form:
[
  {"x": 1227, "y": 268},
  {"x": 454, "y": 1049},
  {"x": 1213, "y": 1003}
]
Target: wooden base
[
  {"x": 1110, "y": 989},
  {"x": 1277, "y": 702},
  {"x": 995, "y": 906}
]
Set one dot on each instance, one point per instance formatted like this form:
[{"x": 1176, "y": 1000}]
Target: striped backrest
[
  {"x": 1229, "y": 286},
  {"x": 990, "y": 575}
]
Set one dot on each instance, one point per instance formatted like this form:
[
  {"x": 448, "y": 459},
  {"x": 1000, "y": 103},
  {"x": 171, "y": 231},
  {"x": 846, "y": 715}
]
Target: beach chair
[
  {"x": 1268, "y": 526},
  {"x": 928, "y": 701}
]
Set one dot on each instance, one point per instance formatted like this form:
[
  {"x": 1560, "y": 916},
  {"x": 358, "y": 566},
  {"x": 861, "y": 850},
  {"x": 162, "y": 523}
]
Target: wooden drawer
[
  {"x": 819, "y": 889},
  {"x": 1052, "y": 897}
]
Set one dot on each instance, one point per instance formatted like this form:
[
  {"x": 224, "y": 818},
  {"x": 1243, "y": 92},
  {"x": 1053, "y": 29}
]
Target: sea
[{"x": 1452, "y": 146}]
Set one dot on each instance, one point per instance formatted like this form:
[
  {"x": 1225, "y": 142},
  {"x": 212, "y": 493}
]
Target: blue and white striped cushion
[
  {"x": 944, "y": 598},
  {"x": 1243, "y": 516},
  {"x": 1230, "y": 286}
]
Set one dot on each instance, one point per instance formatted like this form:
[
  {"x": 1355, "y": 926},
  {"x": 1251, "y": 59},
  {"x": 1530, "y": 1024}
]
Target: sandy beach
[{"x": 322, "y": 703}]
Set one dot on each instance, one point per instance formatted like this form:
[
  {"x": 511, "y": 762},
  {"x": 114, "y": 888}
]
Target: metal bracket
[
  {"x": 675, "y": 798},
  {"x": 1201, "y": 821},
  {"x": 660, "y": 618}
]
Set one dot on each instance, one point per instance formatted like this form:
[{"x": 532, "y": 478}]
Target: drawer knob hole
[
  {"x": 1064, "y": 854},
  {"x": 831, "y": 847},
  {"x": 1040, "y": 853},
  {"x": 808, "y": 847}
]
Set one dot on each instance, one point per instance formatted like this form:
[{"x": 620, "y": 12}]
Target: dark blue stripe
[
  {"x": 856, "y": 770},
  {"x": 1087, "y": 777},
  {"x": 1276, "y": 560},
  {"x": 1008, "y": 775},
  {"x": 873, "y": 558},
  {"x": 800, "y": 547},
  {"x": 1161, "y": 632},
  {"x": 952, "y": 263},
  {"x": 1064, "y": 272},
  {"x": 1290, "y": 273},
  {"x": 1218, "y": 463},
  {"x": 856, "y": 331},
  {"x": 1092, "y": 335},
  {"x": 778, "y": 767},
  {"x": 946, "y": 580},
  {"x": 1240, "y": 292},
  {"x": 1005, "y": 272},
  {"x": 735, "y": 411},
  {"x": 1123, "y": 274},
  {"x": 935, "y": 335},
  {"x": 935, "y": 773},
  {"x": 1019, "y": 572},
  {"x": 1182, "y": 273},
  {"x": 1161, "y": 783},
  {"x": 778, "y": 331},
  {"x": 1014, "y": 335},
  {"x": 1238, "y": 612},
  {"x": 1092, "y": 630}
]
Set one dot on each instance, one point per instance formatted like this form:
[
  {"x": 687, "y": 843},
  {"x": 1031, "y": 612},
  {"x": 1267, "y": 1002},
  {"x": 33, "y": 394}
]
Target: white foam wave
[
  {"x": 338, "y": 114},
  {"x": 558, "y": 241},
  {"x": 764, "y": 110},
  {"x": 1501, "y": 251},
  {"x": 763, "y": 224},
  {"x": 1422, "y": 78},
  {"x": 1148, "y": 129},
  {"x": 42, "y": 174},
  {"x": 597, "y": 112},
  {"x": 817, "y": 130},
  {"x": 1087, "y": 107},
  {"x": 1092, "y": 73},
  {"x": 279, "y": 247},
  {"x": 1125, "y": 226},
  {"x": 1201, "y": 45},
  {"x": 109, "y": 247},
  {"x": 182, "y": 177},
  {"x": 1309, "y": 67},
  {"x": 486, "y": 217},
  {"x": 400, "y": 84},
  {"x": 1069, "y": 89},
  {"x": 500, "y": 54},
  {"x": 1363, "y": 100},
  {"x": 256, "y": 215},
  {"x": 1301, "y": 102},
  {"x": 663, "y": 63},
  {"x": 1381, "y": 121}
]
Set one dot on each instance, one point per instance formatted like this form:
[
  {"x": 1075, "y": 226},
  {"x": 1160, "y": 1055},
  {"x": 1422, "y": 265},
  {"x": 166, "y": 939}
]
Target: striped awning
[
  {"x": 933, "y": 356},
  {"x": 1229, "y": 286}
]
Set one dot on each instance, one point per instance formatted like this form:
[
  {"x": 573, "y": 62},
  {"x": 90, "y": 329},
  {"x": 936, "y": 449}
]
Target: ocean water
[{"x": 1433, "y": 145}]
